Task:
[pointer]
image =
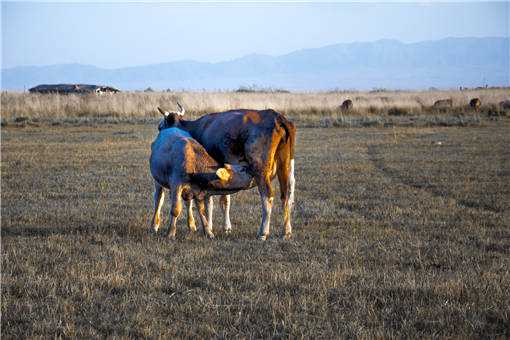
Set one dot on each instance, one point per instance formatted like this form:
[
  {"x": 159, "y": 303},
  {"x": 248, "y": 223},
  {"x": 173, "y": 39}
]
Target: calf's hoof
[
  {"x": 262, "y": 237},
  {"x": 193, "y": 227},
  {"x": 287, "y": 236}
]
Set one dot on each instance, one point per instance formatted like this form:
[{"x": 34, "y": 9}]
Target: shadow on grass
[
  {"x": 117, "y": 229},
  {"x": 136, "y": 232}
]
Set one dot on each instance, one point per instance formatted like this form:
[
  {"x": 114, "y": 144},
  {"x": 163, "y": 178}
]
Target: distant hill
[{"x": 446, "y": 63}]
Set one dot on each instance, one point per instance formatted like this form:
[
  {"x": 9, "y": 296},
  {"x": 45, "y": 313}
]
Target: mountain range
[{"x": 445, "y": 63}]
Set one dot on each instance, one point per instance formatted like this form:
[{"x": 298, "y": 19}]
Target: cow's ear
[{"x": 223, "y": 174}]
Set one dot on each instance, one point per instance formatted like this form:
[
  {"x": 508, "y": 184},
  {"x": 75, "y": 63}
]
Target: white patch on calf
[{"x": 292, "y": 183}]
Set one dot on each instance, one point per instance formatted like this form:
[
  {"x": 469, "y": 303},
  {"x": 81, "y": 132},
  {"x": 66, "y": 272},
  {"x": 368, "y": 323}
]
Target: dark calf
[{"x": 179, "y": 163}]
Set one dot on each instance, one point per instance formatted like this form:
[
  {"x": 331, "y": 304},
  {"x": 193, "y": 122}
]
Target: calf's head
[
  {"x": 170, "y": 118},
  {"x": 232, "y": 177}
]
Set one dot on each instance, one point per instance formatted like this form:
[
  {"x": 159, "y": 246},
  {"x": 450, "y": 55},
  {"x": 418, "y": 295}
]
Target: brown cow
[
  {"x": 264, "y": 139},
  {"x": 443, "y": 103},
  {"x": 346, "y": 105},
  {"x": 475, "y": 104}
]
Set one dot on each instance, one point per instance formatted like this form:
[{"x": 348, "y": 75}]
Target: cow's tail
[{"x": 285, "y": 160}]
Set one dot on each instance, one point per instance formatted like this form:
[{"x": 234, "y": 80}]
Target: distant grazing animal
[
  {"x": 443, "y": 103},
  {"x": 346, "y": 105},
  {"x": 180, "y": 164},
  {"x": 264, "y": 139},
  {"x": 505, "y": 104},
  {"x": 475, "y": 104}
]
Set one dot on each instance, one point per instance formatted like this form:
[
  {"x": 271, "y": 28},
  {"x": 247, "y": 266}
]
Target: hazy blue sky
[{"x": 127, "y": 34}]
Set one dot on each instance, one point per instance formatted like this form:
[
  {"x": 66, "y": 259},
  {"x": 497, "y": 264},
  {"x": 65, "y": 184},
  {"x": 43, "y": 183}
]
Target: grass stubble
[{"x": 399, "y": 232}]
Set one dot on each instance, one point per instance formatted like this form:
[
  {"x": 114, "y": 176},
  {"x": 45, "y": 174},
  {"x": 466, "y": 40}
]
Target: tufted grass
[{"x": 307, "y": 109}]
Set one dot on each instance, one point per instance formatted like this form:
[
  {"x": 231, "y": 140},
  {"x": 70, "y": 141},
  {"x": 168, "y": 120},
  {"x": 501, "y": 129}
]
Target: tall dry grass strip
[{"x": 297, "y": 105}]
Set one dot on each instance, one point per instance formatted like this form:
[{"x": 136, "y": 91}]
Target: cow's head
[{"x": 170, "y": 118}]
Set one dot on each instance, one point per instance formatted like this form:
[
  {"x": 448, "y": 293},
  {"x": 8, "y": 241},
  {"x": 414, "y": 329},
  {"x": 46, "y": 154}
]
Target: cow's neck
[
  {"x": 189, "y": 125},
  {"x": 192, "y": 126}
]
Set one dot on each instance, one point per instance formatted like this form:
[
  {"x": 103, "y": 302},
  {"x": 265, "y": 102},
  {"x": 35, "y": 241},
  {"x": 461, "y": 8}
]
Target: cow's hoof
[
  {"x": 228, "y": 231},
  {"x": 210, "y": 236},
  {"x": 262, "y": 237},
  {"x": 287, "y": 236},
  {"x": 171, "y": 237}
]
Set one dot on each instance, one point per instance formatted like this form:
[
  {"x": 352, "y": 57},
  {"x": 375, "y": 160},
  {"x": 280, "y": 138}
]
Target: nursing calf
[{"x": 179, "y": 163}]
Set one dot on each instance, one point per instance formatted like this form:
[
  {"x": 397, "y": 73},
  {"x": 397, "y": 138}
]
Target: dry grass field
[
  {"x": 399, "y": 232},
  {"x": 310, "y": 109}
]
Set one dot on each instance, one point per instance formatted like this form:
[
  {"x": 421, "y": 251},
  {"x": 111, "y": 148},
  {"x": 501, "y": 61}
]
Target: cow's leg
[
  {"x": 191, "y": 219},
  {"x": 176, "y": 209},
  {"x": 159, "y": 198},
  {"x": 203, "y": 218},
  {"x": 285, "y": 172},
  {"x": 266, "y": 198},
  {"x": 210, "y": 206},
  {"x": 260, "y": 153},
  {"x": 225, "y": 206}
]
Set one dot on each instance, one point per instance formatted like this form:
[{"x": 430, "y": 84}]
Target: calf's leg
[
  {"x": 191, "y": 219},
  {"x": 159, "y": 197},
  {"x": 202, "y": 210},
  {"x": 176, "y": 209}
]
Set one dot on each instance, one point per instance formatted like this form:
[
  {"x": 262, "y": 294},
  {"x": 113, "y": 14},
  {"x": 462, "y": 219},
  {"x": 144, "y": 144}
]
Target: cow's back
[{"x": 225, "y": 134}]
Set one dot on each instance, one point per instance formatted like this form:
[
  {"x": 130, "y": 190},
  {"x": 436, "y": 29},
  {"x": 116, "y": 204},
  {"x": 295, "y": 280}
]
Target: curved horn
[
  {"x": 181, "y": 109},
  {"x": 162, "y": 111}
]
